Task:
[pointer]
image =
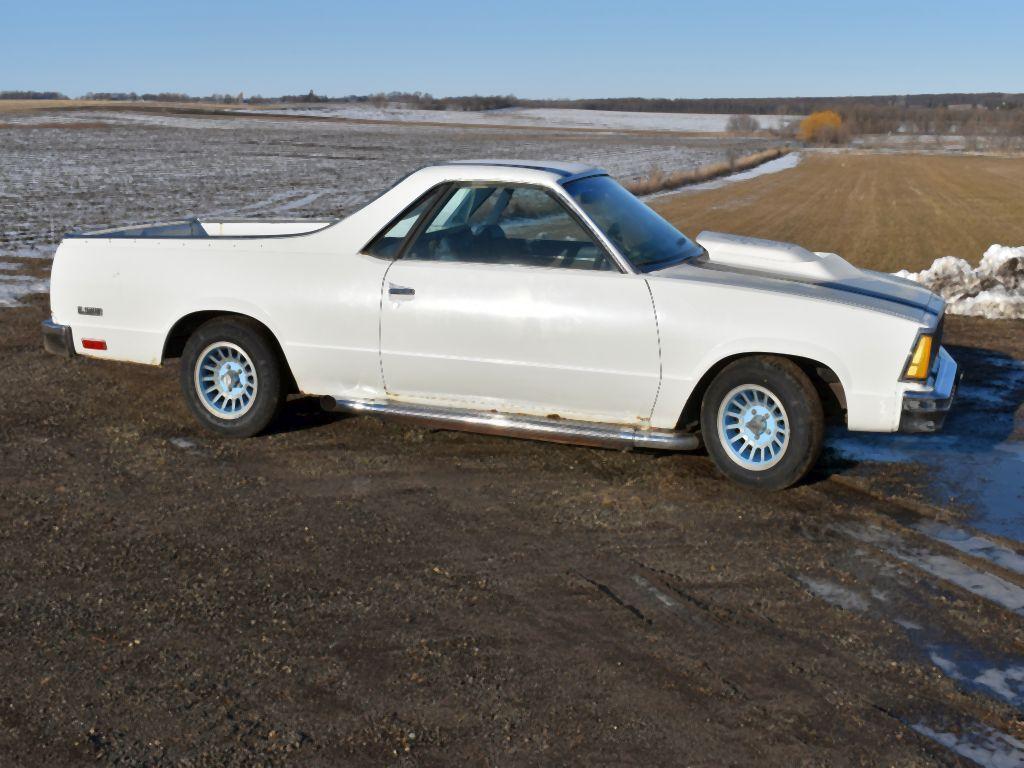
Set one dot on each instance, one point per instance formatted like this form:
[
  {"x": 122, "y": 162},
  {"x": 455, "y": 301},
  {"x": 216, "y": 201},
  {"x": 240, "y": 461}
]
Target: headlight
[{"x": 920, "y": 361}]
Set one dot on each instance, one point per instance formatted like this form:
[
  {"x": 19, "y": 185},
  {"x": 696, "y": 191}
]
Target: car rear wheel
[
  {"x": 762, "y": 422},
  {"x": 231, "y": 376}
]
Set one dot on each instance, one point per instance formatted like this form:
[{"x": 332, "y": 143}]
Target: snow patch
[
  {"x": 54, "y": 180},
  {"x": 995, "y": 289},
  {"x": 537, "y": 116},
  {"x": 14, "y": 287},
  {"x": 985, "y": 585},
  {"x": 784, "y": 163},
  {"x": 28, "y": 251},
  {"x": 907, "y": 624},
  {"x": 835, "y": 594},
  {"x": 301, "y": 202},
  {"x": 1003, "y": 682},
  {"x": 660, "y": 596},
  {"x": 980, "y": 744},
  {"x": 972, "y": 544}
]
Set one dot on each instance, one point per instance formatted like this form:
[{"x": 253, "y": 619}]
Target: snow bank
[
  {"x": 995, "y": 289},
  {"x": 784, "y": 163}
]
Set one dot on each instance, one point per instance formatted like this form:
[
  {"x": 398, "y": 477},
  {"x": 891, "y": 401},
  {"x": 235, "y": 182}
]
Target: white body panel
[
  {"x": 865, "y": 348},
  {"x": 522, "y": 339},
  {"x": 591, "y": 345},
  {"x": 785, "y": 259},
  {"x": 322, "y": 309}
]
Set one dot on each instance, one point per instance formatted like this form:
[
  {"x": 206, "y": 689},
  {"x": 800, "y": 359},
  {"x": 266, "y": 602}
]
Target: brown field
[
  {"x": 263, "y": 111},
  {"x": 883, "y": 211},
  {"x": 16, "y": 106}
]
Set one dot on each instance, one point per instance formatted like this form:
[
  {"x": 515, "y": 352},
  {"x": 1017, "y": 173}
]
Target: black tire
[
  {"x": 801, "y": 431},
  {"x": 259, "y": 353}
]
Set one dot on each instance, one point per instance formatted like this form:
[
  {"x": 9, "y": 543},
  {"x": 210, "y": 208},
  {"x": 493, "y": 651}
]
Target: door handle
[{"x": 400, "y": 290}]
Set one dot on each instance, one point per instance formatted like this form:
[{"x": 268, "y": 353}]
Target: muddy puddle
[
  {"x": 911, "y": 577},
  {"x": 976, "y": 463},
  {"x": 981, "y": 744}
]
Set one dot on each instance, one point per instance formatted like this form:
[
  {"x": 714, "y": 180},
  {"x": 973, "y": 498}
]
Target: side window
[
  {"x": 455, "y": 210},
  {"x": 387, "y": 243},
  {"x": 507, "y": 225}
]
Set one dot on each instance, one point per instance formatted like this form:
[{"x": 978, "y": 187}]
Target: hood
[{"x": 777, "y": 261}]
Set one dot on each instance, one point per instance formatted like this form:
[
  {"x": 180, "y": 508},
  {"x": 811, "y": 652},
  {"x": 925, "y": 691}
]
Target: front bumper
[
  {"x": 57, "y": 339},
  {"x": 925, "y": 410}
]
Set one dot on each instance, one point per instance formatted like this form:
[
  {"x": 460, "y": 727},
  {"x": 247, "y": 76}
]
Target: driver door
[{"x": 503, "y": 300}]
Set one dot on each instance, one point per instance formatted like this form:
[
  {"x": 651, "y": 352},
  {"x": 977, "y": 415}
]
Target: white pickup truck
[{"x": 530, "y": 299}]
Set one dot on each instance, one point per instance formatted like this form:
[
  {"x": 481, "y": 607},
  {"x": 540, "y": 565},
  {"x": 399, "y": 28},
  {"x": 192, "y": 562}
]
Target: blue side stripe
[{"x": 874, "y": 295}]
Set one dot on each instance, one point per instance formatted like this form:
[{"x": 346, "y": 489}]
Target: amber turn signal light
[{"x": 918, "y": 366}]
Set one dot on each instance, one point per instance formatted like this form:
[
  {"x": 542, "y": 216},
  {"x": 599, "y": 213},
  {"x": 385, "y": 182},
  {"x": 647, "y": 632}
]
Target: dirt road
[{"x": 345, "y": 591}]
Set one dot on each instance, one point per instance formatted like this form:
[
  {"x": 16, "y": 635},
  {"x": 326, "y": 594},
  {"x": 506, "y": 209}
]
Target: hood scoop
[{"x": 776, "y": 259}]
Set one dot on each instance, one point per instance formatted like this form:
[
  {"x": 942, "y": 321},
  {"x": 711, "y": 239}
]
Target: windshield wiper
[{"x": 679, "y": 258}]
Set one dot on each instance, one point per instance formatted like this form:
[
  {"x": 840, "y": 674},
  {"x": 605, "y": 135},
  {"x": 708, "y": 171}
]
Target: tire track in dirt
[{"x": 975, "y": 646}]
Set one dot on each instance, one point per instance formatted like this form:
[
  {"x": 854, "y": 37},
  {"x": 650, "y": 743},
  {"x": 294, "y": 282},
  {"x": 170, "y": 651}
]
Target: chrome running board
[{"x": 510, "y": 425}]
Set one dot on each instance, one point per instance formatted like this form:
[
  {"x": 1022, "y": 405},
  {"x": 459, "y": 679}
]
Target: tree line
[
  {"x": 934, "y": 113},
  {"x": 786, "y": 105},
  {"x": 31, "y": 95}
]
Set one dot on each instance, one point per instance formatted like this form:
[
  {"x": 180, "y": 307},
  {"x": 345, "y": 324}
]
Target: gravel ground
[{"x": 346, "y": 591}]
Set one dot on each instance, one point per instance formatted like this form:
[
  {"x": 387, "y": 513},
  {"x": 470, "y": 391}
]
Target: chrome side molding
[{"x": 553, "y": 430}]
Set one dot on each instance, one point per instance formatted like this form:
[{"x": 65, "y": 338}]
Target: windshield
[{"x": 641, "y": 235}]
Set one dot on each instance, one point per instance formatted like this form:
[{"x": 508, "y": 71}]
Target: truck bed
[{"x": 196, "y": 228}]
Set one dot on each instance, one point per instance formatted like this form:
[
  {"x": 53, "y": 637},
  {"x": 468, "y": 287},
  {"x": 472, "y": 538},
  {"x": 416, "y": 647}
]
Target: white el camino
[{"x": 528, "y": 299}]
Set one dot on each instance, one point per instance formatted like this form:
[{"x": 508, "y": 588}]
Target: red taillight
[{"x": 94, "y": 344}]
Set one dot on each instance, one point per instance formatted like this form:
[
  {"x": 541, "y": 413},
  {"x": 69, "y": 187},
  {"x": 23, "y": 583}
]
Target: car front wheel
[
  {"x": 762, "y": 422},
  {"x": 231, "y": 376}
]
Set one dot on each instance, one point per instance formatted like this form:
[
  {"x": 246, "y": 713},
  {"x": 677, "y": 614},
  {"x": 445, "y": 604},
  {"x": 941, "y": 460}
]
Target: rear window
[{"x": 387, "y": 244}]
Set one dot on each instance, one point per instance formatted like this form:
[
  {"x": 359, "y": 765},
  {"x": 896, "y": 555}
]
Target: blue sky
[{"x": 531, "y": 48}]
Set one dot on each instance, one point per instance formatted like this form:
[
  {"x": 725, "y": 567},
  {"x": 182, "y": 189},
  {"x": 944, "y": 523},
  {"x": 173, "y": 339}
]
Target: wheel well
[
  {"x": 824, "y": 379},
  {"x": 179, "y": 334}
]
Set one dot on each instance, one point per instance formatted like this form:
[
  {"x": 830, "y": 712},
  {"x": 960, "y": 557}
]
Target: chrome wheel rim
[
  {"x": 753, "y": 427},
  {"x": 226, "y": 380}
]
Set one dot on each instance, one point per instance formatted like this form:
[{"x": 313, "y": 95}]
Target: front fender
[
  {"x": 702, "y": 322},
  {"x": 678, "y": 386}
]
